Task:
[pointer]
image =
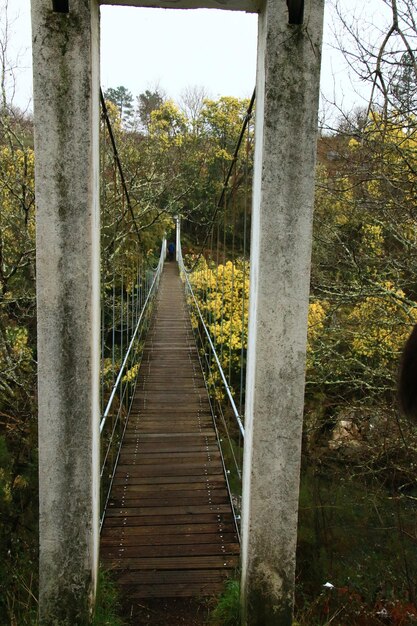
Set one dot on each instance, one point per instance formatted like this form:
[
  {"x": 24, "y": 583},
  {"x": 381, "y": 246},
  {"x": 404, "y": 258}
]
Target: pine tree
[{"x": 123, "y": 99}]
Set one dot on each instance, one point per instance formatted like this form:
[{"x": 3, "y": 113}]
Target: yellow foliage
[
  {"x": 222, "y": 292},
  {"x": 15, "y": 348},
  {"x": 373, "y": 239},
  {"x": 316, "y": 318},
  {"x": 131, "y": 374},
  {"x": 383, "y": 324},
  {"x": 19, "y": 342},
  {"x": 333, "y": 197},
  {"x": 223, "y": 296},
  {"x": 20, "y": 482},
  {"x": 5, "y": 487},
  {"x": 17, "y": 209}
]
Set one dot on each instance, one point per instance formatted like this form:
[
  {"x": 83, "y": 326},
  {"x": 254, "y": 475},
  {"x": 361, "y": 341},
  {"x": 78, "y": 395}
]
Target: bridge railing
[
  {"x": 122, "y": 345},
  {"x": 227, "y": 420}
]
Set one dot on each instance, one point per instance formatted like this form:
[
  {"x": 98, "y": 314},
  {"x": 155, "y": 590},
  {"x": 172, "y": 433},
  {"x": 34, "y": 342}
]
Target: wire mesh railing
[
  {"x": 228, "y": 420},
  {"x": 129, "y": 316},
  {"x": 130, "y": 275},
  {"x": 217, "y": 285}
]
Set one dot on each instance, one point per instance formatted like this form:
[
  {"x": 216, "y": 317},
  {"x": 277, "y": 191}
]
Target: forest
[{"x": 356, "y": 557}]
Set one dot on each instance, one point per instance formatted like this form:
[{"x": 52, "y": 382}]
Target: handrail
[
  {"x": 223, "y": 377},
  {"x": 144, "y": 308}
]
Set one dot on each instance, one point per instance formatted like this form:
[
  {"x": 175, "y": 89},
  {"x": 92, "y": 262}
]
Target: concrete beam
[
  {"x": 66, "y": 108},
  {"x": 286, "y": 132},
  {"x": 250, "y": 6}
]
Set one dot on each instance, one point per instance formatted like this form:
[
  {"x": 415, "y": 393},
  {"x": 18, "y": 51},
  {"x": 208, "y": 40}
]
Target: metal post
[{"x": 178, "y": 237}]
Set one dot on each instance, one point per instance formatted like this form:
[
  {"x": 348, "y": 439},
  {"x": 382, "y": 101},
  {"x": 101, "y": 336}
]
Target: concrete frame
[
  {"x": 250, "y": 6},
  {"x": 66, "y": 106},
  {"x": 287, "y": 94},
  {"x": 66, "y": 88}
]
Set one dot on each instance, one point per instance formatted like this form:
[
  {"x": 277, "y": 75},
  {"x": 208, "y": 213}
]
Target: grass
[
  {"x": 107, "y": 603},
  {"x": 227, "y": 610}
]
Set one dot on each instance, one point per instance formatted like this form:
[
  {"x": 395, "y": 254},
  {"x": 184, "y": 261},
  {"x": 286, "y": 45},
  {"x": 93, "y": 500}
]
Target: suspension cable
[
  {"x": 221, "y": 200},
  {"x": 129, "y": 348},
  {"x": 119, "y": 164}
]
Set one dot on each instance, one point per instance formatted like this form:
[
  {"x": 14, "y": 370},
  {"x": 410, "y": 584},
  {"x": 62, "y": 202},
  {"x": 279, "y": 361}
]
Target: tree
[
  {"x": 123, "y": 99},
  {"x": 18, "y": 434},
  {"x": 403, "y": 86},
  {"x": 358, "y": 448},
  {"x": 147, "y": 103},
  {"x": 191, "y": 104}
]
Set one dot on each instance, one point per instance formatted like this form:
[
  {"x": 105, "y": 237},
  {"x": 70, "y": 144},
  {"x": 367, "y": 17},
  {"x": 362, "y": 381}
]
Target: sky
[{"x": 143, "y": 48}]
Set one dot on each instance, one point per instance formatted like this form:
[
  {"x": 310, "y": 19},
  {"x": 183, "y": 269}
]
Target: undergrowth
[
  {"x": 107, "y": 603},
  {"x": 227, "y": 610}
]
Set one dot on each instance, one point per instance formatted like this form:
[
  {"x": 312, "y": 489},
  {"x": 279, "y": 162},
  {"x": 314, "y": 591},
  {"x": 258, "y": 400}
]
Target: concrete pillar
[
  {"x": 66, "y": 107},
  {"x": 286, "y": 131}
]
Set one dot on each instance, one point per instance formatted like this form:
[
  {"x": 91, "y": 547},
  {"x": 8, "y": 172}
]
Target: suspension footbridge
[
  {"x": 169, "y": 528},
  {"x": 165, "y": 423}
]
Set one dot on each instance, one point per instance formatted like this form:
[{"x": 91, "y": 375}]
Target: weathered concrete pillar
[
  {"x": 286, "y": 130},
  {"x": 66, "y": 107}
]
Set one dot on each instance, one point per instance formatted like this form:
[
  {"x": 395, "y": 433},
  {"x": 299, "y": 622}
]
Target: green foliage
[
  {"x": 148, "y": 101},
  {"x": 353, "y": 533},
  {"x": 18, "y": 515},
  {"x": 357, "y": 515},
  {"x": 123, "y": 99},
  {"x": 362, "y": 276},
  {"x": 107, "y": 603},
  {"x": 227, "y": 610},
  {"x": 18, "y": 435},
  {"x": 356, "y": 525}
]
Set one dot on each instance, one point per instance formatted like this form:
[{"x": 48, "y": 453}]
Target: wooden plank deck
[{"x": 169, "y": 529}]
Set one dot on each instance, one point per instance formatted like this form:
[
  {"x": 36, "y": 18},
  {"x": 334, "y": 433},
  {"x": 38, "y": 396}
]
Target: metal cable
[
  {"x": 226, "y": 180},
  {"x": 209, "y": 339},
  {"x": 118, "y": 162}
]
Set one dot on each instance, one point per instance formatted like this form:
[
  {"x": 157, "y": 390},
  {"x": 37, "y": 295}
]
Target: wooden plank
[
  {"x": 163, "y": 458},
  {"x": 149, "y": 520},
  {"x": 172, "y": 490},
  {"x": 166, "y": 407},
  {"x": 169, "y": 529},
  {"x": 159, "y": 550},
  {"x": 159, "y": 447},
  {"x": 122, "y": 476},
  {"x": 143, "y": 496},
  {"x": 169, "y": 437},
  {"x": 166, "y": 449},
  {"x": 162, "y": 394},
  {"x": 173, "y": 469},
  {"x": 167, "y": 539},
  {"x": 175, "y": 417},
  {"x": 177, "y": 590},
  {"x": 163, "y": 531},
  {"x": 183, "y": 424},
  {"x": 156, "y": 381},
  {"x": 149, "y": 499},
  {"x": 167, "y": 501},
  {"x": 148, "y": 490},
  {"x": 167, "y": 510},
  {"x": 149, "y": 577},
  {"x": 174, "y": 562},
  {"x": 178, "y": 459}
]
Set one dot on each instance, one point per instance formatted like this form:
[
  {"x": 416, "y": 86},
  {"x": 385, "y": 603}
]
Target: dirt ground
[{"x": 167, "y": 612}]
